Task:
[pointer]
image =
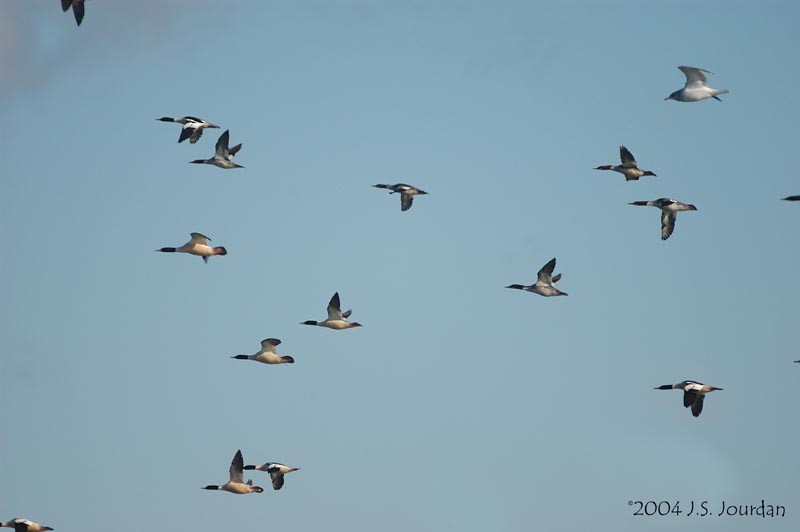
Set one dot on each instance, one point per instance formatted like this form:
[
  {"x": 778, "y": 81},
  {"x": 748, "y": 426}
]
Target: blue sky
[{"x": 459, "y": 405}]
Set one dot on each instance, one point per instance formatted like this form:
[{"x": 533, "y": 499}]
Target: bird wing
[
  {"x": 269, "y": 344},
  {"x": 65, "y": 4},
  {"x": 405, "y": 201},
  {"x": 545, "y": 274},
  {"x": 78, "y": 10},
  {"x": 21, "y": 525},
  {"x": 233, "y": 151},
  {"x": 346, "y": 313},
  {"x": 627, "y": 158},
  {"x": 222, "y": 144},
  {"x": 695, "y": 77},
  {"x": 335, "y": 308},
  {"x": 189, "y": 129},
  {"x": 237, "y": 468},
  {"x": 667, "y": 224},
  {"x": 697, "y": 407},
  {"x": 199, "y": 238},
  {"x": 689, "y": 397},
  {"x": 277, "y": 479},
  {"x": 556, "y": 278}
]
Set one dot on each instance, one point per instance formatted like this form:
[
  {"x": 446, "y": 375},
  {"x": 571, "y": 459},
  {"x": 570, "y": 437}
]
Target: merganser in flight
[
  {"x": 223, "y": 157},
  {"x": 628, "y": 168},
  {"x": 407, "y": 193},
  {"x": 336, "y": 318},
  {"x": 192, "y": 127},
  {"x": 276, "y": 472},
  {"x": 24, "y": 525},
  {"x": 77, "y": 9},
  {"x": 792, "y": 198},
  {"x": 696, "y": 87},
  {"x": 544, "y": 282},
  {"x": 236, "y": 483},
  {"x": 669, "y": 211},
  {"x": 198, "y": 245},
  {"x": 693, "y": 394},
  {"x": 267, "y": 355}
]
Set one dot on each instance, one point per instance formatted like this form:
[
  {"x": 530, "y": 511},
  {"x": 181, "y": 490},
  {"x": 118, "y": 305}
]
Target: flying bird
[
  {"x": 544, "y": 285},
  {"x": 669, "y": 211},
  {"x": 20, "y": 524},
  {"x": 693, "y": 394},
  {"x": 192, "y": 127},
  {"x": 276, "y": 472},
  {"x": 223, "y": 157},
  {"x": 77, "y": 9},
  {"x": 407, "y": 193},
  {"x": 628, "y": 168},
  {"x": 267, "y": 354},
  {"x": 337, "y": 319},
  {"x": 696, "y": 87},
  {"x": 198, "y": 245},
  {"x": 236, "y": 483}
]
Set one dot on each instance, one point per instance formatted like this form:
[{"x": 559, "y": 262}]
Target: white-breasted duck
[
  {"x": 198, "y": 245},
  {"x": 276, "y": 472},
  {"x": 696, "y": 88},
  {"x": 628, "y": 168},
  {"x": 20, "y": 524},
  {"x": 223, "y": 157},
  {"x": 544, "y": 285},
  {"x": 693, "y": 394},
  {"x": 192, "y": 127},
  {"x": 407, "y": 193},
  {"x": 77, "y": 9},
  {"x": 267, "y": 354},
  {"x": 337, "y": 319},
  {"x": 236, "y": 483},
  {"x": 669, "y": 211}
]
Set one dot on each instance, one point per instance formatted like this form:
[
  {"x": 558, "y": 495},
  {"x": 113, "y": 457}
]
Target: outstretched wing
[
  {"x": 199, "y": 238},
  {"x": 335, "y": 308},
  {"x": 695, "y": 77},
  {"x": 78, "y": 10},
  {"x": 667, "y": 224},
  {"x": 405, "y": 201},
  {"x": 237, "y": 467},
  {"x": 545, "y": 274},
  {"x": 277, "y": 480},
  {"x": 269, "y": 344},
  {"x": 697, "y": 407},
  {"x": 222, "y": 144},
  {"x": 626, "y": 157},
  {"x": 189, "y": 129}
]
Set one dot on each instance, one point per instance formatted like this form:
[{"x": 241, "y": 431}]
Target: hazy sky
[{"x": 460, "y": 405}]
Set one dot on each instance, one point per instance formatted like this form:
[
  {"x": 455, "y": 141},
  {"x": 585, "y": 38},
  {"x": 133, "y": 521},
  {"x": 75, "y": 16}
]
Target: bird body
[
  {"x": 629, "y": 168},
  {"x": 693, "y": 394},
  {"x": 276, "y": 472},
  {"x": 337, "y": 319},
  {"x": 192, "y": 127},
  {"x": 669, "y": 212},
  {"x": 696, "y": 88},
  {"x": 198, "y": 245},
  {"x": 20, "y": 524},
  {"x": 407, "y": 193},
  {"x": 267, "y": 354},
  {"x": 545, "y": 282},
  {"x": 236, "y": 483},
  {"x": 223, "y": 157}
]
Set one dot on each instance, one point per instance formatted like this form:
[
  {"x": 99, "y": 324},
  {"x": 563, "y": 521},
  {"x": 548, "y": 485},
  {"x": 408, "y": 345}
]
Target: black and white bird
[
  {"x": 407, "y": 193},
  {"x": 198, "y": 245},
  {"x": 696, "y": 87},
  {"x": 77, "y": 9},
  {"x": 337, "y": 319},
  {"x": 544, "y": 285},
  {"x": 20, "y": 524},
  {"x": 693, "y": 394},
  {"x": 267, "y": 354},
  {"x": 628, "y": 168},
  {"x": 192, "y": 127},
  {"x": 276, "y": 472},
  {"x": 236, "y": 483},
  {"x": 669, "y": 211},
  {"x": 223, "y": 157}
]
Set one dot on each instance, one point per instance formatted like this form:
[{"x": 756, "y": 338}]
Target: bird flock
[{"x": 695, "y": 89}]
